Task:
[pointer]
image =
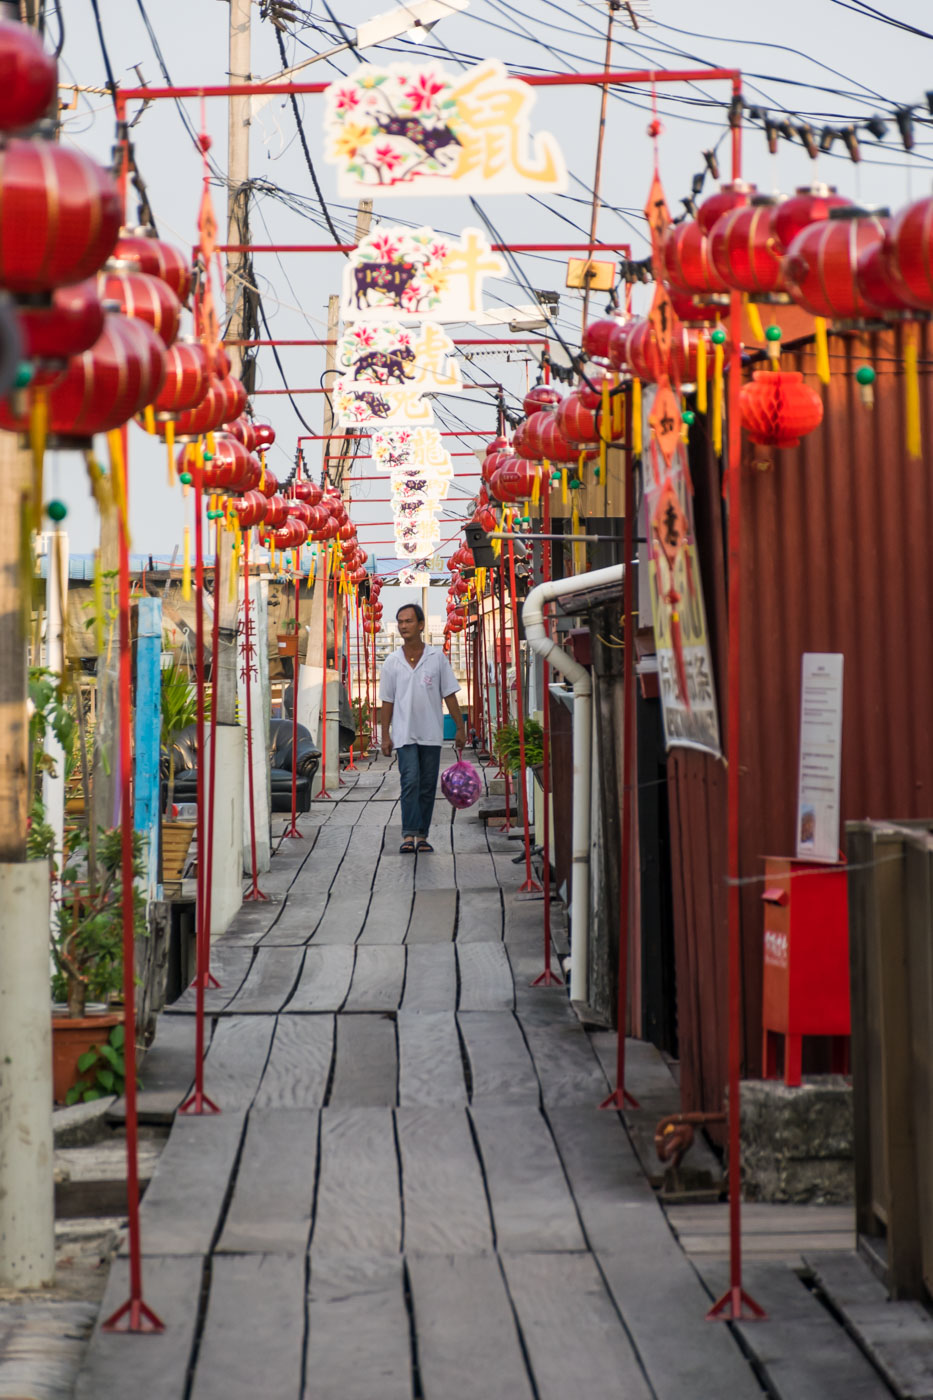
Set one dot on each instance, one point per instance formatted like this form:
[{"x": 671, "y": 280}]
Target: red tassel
[{"x": 677, "y": 642}]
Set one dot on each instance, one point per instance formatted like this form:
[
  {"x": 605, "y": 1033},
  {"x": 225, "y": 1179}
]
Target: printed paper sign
[
  {"x": 398, "y": 272},
  {"x": 411, "y": 128},
  {"x": 412, "y": 448},
  {"x": 385, "y": 370},
  {"x": 820, "y": 756}
]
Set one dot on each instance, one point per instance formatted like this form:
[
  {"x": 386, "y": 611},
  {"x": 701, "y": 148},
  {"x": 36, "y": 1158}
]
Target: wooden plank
[
  {"x": 435, "y": 871},
  {"x": 762, "y": 1217},
  {"x": 604, "y": 1175},
  {"x": 180, "y": 1210},
  {"x": 396, "y": 871},
  {"x": 897, "y": 1336},
  {"x": 298, "y": 1069},
  {"x": 343, "y": 918},
  {"x": 376, "y": 814},
  {"x": 325, "y": 979},
  {"x": 445, "y": 1199},
  {"x": 764, "y": 1246},
  {"x": 358, "y": 1206},
  {"x": 269, "y": 982},
  {"x": 468, "y": 1345},
  {"x": 359, "y": 864},
  {"x": 567, "y": 1068},
  {"x": 485, "y": 977},
  {"x": 358, "y": 1335},
  {"x": 430, "y": 1061},
  {"x": 268, "y": 1290},
  {"x": 430, "y": 978},
  {"x": 476, "y": 871},
  {"x": 166, "y": 1073},
  {"x": 270, "y": 1212},
  {"x": 298, "y": 918},
  {"x": 365, "y": 1062},
  {"x": 388, "y": 917},
  {"x": 468, "y": 834},
  {"x": 479, "y": 917},
  {"x": 378, "y": 979},
  {"x": 253, "y": 921},
  {"x": 532, "y": 1208},
  {"x": 230, "y": 962},
  {"x": 235, "y": 1061},
  {"x": 172, "y": 1290},
  {"x": 42, "y": 1346},
  {"x": 575, "y": 1340},
  {"x": 433, "y": 917},
  {"x": 501, "y": 1069}
]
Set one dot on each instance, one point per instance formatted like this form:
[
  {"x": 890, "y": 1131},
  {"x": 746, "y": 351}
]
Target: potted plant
[
  {"x": 179, "y": 709},
  {"x": 507, "y": 746},
  {"x": 288, "y": 640}
]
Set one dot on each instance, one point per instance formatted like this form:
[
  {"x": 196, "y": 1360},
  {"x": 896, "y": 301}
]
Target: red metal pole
[
  {"x": 254, "y": 892},
  {"x": 340, "y": 782},
  {"x": 349, "y": 669},
  {"x": 506, "y": 706},
  {"x": 323, "y": 707},
  {"x": 292, "y": 832},
  {"x": 620, "y": 1095},
  {"x": 530, "y": 884},
  {"x": 547, "y": 978},
  {"x": 210, "y": 979}
]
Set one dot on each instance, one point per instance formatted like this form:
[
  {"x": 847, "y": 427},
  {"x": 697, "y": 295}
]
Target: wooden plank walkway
[{"x": 410, "y": 1191}]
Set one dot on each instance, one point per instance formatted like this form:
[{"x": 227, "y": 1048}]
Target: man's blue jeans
[{"x": 418, "y": 766}]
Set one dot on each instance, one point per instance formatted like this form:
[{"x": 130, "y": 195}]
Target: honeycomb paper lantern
[{"x": 778, "y": 409}]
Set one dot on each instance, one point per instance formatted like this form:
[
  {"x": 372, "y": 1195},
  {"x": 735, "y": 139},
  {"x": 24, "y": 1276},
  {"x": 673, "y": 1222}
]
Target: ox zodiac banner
[
  {"x": 399, "y": 273},
  {"x": 385, "y": 370}
]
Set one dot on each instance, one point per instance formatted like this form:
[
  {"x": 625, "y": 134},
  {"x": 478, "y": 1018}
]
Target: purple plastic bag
[{"x": 461, "y": 784}]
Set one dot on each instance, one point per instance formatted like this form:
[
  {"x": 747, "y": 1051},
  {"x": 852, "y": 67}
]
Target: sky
[{"x": 823, "y": 61}]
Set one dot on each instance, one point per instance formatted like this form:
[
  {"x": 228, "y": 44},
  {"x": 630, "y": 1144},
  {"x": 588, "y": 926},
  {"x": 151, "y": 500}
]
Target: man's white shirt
[{"x": 417, "y": 695}]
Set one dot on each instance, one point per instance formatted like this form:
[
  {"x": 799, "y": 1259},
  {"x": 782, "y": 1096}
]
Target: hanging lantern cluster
[{"x": 372, "y": 609}]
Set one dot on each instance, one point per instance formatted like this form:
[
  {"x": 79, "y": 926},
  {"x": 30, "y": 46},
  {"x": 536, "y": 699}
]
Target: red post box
[{"x": 806, "y": 961}]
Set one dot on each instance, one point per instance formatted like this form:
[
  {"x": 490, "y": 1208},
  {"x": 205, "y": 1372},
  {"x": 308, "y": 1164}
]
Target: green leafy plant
[
  {"x": 507, "y": 746},
  {"x": 102, "y": 1070},
  {"x": 179, "y": 709},
  {"x": 290, "y": 625},
  {"x": 50, "y": 714}
]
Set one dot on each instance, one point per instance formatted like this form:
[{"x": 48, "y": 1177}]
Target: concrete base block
[
  {"x": 227, "y": 883},
  {"x": 797, "y": 1143}
]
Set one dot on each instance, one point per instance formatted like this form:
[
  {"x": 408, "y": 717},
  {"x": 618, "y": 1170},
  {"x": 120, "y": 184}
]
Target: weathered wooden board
[
  {"x": 468, "y": 834},
  {"x": 180, "y": 1210},
  {"x": 433, "y": 917},
  {"x": 358, "y": 1334},
  {"x": 343, "y": 918},
  {"x": 430, "y": 1060},
  {"x": 298, "y": 918},
  {"x": 265, "y": 1296},
  {"x": 298, "y": 1069},
  {"x": 575, "y": 1340},
  {"x": 485, "y": 977},
  {"x": 435, "y": 871},
  {"x": 253, "y": 921},
  {"x": 269, "y": 982},
  {"x": 431, "y": 978},
  {"x": 166, "y": 1074},
  {"x": 378, "y": 978},
  {"x": 532, "y": 1208},
  {"x": 445, "y": 1200},
  {"x": 366, "y": 1062},
  {"x": 476, "y": 871},
  {"x": 388, "y": 916},
  {"x": 376, "y": 814},
  {"x": 230, "y": 963},
  {"x": 567, "y": 1068},
  {"x": 395, "y": 873},
  {"x": 325, "y": 979},
  {"x": 345, "y": 814},
  {"x": 479, "y": 917},
  {"x": 287, "y": 859},
  {"x": 358, "y": 1205},
  {"x": 468, "y": 1344},
  {"x": 898, "y": 1336},
  {"x": 270, "y": 1211},
  {"x": 501, "y": 1069},
  {"x": 172, "y": 1290},
  {"x": 42, "y": 1346},
  {"x": 604, "y": 1175},
  {"x": 235, "y": 1061}
]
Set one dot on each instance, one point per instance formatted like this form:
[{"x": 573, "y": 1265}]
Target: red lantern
[
  {"x": 145, "y": 299},
  {"x": 265, "y": 434},
  {"x": 270, "y": 483},
  {"x": 485, "y": 517},
  {"x": 578, "y": 424},
  {"x": 357, "y": 575},
  {"x": 554, "y": 446},
  {"x": 229, "y": 468},
  {"x": 28, "y": 77},
  {"x": 520, "y": 443},
  {"x": 461, "y": 587},
  {"x": 250, "y": 509},
  {"x": 810, "y": 205},
  {"x": 347, "y": 532},
  {"x": 644, "y": 357},
  {"x": 276, "y": 512},
  {"x": 909, "y": 252},
  {"x": 104, "y": 387},
  {"x": 879, "y": 285},
  {"x": 491, "y": 464},
  {"x": 329, "y": 530},
  {"x": 542, "y": 396},
  {"x": 59, "y": 216},
  {"x": 69, "y": 326},
  {"x": 688, "y": 309},
  {"x": 220, "y": 366},
  {"x": 234, "y": 397},
  {"x": 313, "y": 493},
  {"x": 147, "y": 252},
  {"x": 820, "y": 265},
  {"x": 318, "y": 519},
  {"x": 741, "y": 247},
  {"x": 205, "y": 417},
  {"x": 300, "y": 510},
  {"x": 456, "y": 622},
  {"x": 729, "y": 196},
  {"x": 515, "y": 479},
  {"x": 253, "y": 474},
  {"x": 244, "y": 431},
  {"x": 186, "y": 378},
  {"x": 778, "y": 409},
  {"x": 292, "y": 535},
  {"x": 687, "y": 264},
  {"x": 597, "y": 337}
]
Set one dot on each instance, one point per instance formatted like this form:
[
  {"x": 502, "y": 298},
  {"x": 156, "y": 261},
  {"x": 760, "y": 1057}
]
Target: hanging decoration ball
[
  {"x": 778, "y": 409},
  {"x": 208, "y": 456},
  {"x": 143, "y": 297},
  {"x": 865, "y": 375},
  {"x": 265, "y": 434},
  {"x": 718, "y": 336},
  {"x": 56, "y": 510},
  {"x": 540, "y": 397},
  {"x": 733, "y": 195},
  {"x": 67, "y": 326},
  {"x": 597, "y": 338},
  {"x": 575, "y": 483},
  {"x": 461, "y": 784},
  {"x": 687, "y": 263},
  {"x": 187, "y": 377},
  {"x": 149, "y": 254},
  {"x": 773, "y": 333},
  {"x": 24, "y": 375},
  {"x": 28, "y": 77},
  {"x": 689, "y": 417},
  {"x": 821, "y": 265},
  {"x": 244, "y": 431},
  {"x": 742, "y": 250},
  {"x": 810, "y": 204},
  {"x": 185, "y": 478}
]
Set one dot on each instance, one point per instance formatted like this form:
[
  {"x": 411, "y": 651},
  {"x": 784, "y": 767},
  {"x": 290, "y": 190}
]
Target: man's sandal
[
  {"x": 424, "y": 846},
  {"x": 407, "y": 848}
]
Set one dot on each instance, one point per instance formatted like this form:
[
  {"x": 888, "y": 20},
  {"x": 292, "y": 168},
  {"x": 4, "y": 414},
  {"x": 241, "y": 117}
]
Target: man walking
[{"x": 417, "y": 681}]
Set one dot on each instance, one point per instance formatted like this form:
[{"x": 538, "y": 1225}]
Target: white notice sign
[{"x": 820, "y": 756}]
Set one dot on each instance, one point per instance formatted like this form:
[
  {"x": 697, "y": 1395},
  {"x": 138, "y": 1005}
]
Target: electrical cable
[
  {"x": 304, "y": 146},
  {"x": 106, "y": 56}
]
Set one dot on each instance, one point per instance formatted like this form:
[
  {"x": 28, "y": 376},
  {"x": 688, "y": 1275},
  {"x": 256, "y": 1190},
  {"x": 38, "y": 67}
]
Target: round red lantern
[
  {"x": 597, "y": 337},
  {"x": 300, "y": 510},
  {"x": 144, "y": 298},
  {"x": 229, "y": 467},
  {"x": 687, "y": 264},
  {"x": 234, "y": 397},
  {"x": 250, "y": 509},
  {"x": 220, "y": 363},
  {"x": 689, "y": 309},
  {"x": 486, "y": 518},
  {"x": 265, "y": 434},
  {"x": 577, "y": 422},
  {"x": 540, "y": 397},
  {"x": 270, "y": 483},
  {"x": 276, "y": 512},
  {"x": 729, "y": 196},
  {"x": 28, "y": 77},
  {"x": 778, "y": 409},
  {"x": 554, "y": 446},
  {"x": 144, "y": 250},
  {"x": 741, "y": 248},
  {"x": 347, "y": 532},
  {"x": 820, "y": 265},
  {"x": 909, "y": 252},
  {"x": 329, "y": 530},
  {"x": 205, "y": 417},
  {"x": 253, "y": 474},
  {"x": 244, "y": 431},
  {"x": 491, "y": 464},
  {"x": 59, "y": 216},
  {"x": 69, "y": 326},
  {"x": 515, "y": 479},
  {"x": 811, "y": 204},
  {"x": 186, "y": 378},
  {"x": 879, "y": 285},
  {"x": 318, "y": 519},
  {"x": 292, "y": 535}
]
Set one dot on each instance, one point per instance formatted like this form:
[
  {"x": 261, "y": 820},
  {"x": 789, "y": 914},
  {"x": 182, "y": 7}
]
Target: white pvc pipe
[{"x": 568, "y": 666}]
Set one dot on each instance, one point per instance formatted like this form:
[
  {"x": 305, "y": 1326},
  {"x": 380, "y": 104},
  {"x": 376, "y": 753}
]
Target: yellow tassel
[
  {"x": 822, "y": 350},
  {"x": 98, "y": 604},
  {"x": 38, "y": 431},
  {"x": 536, "y": 488},
  {"x": 235, "y": 566},
  {"x": 149, "y": 418},
  {"x": 701, "y": 372},
  {"x": 717, "y": 399},
  {"x": 118, "y": 472},
  {"x": 211, "y": 444},
  {"x": 170, "y": 448},
  {"x": 605, "y": 427},
  {"x": 618, "y": 423},
  {"x": 637, "y": 443},
  {"x": 754, "y": 319},
  {"x": 911, "y": 394},
  {"x": 186, "y": 565},
  {"x": 563, "y": 486}
]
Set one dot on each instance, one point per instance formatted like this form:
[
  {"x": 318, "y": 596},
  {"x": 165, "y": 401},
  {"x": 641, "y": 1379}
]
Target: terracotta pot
[{"x": 72, "y": 1036}]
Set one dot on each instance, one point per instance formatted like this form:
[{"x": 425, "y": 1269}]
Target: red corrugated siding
[{"x": 836, "y": 557}]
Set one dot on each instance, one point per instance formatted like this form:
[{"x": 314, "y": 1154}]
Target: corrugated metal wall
[{"x": 836, "y": 557}]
